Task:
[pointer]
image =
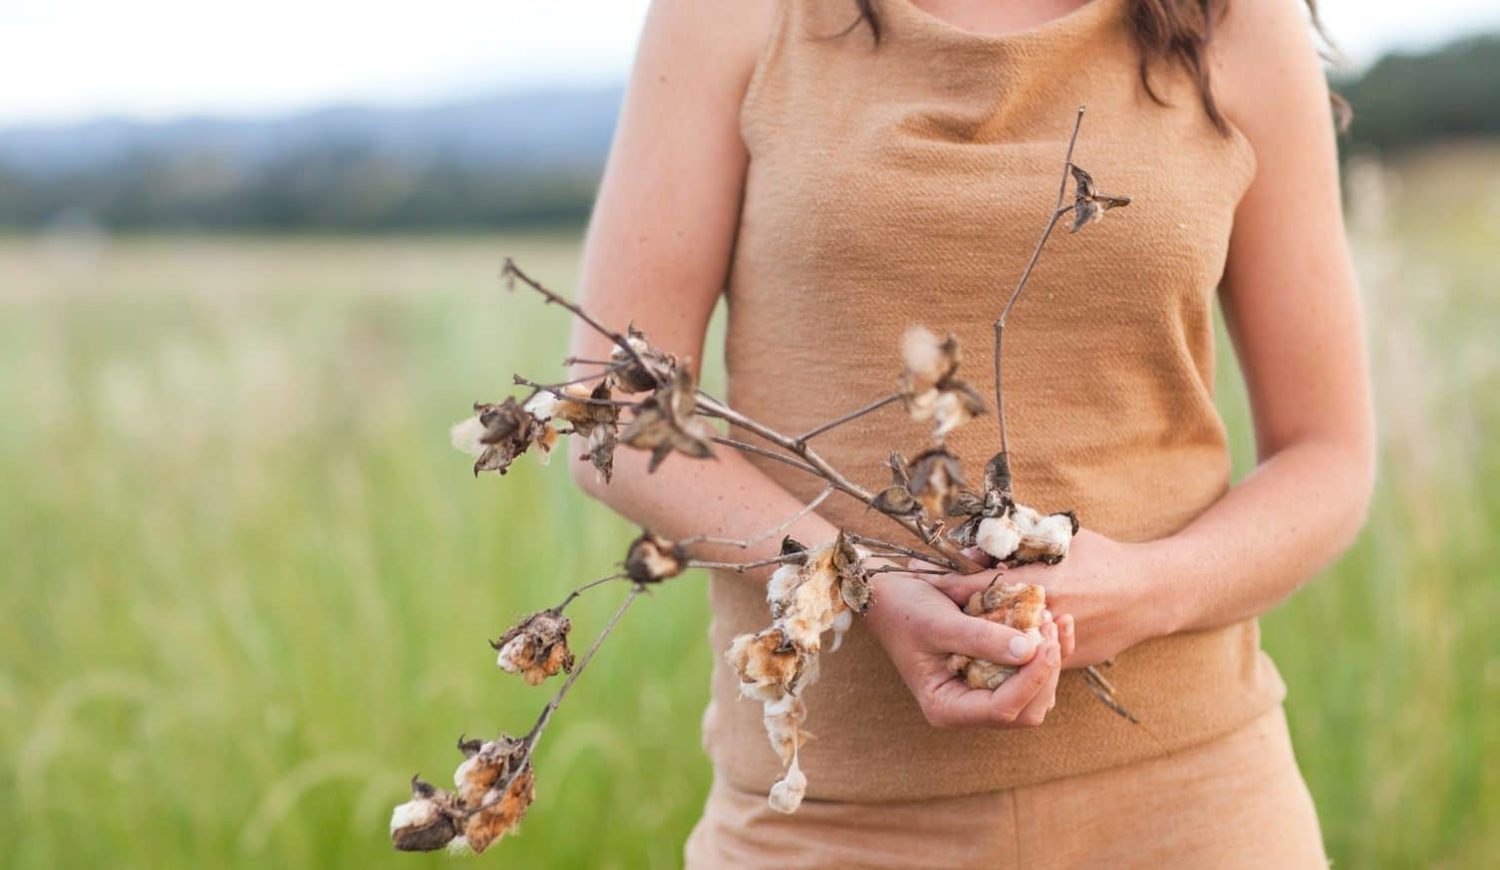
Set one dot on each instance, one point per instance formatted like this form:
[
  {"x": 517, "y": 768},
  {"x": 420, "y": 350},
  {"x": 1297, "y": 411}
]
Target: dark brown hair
[{"x": 1171, "y": 31}]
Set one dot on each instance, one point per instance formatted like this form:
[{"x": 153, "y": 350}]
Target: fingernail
[{"x": 1020, "y": 646}]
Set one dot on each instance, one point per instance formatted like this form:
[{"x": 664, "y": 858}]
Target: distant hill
[
  {"x": 1404, "y": 100},
  {"x": 506, "y": 161},
  {"x": 509, "y": 160}
]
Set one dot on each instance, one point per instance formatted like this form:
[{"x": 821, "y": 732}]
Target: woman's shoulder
[
  {"x": 1267, "y": 72},
  {"x": 709, "y": 40}
]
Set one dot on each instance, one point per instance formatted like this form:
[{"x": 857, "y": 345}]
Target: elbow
[{"x": 1359, "y": 487}]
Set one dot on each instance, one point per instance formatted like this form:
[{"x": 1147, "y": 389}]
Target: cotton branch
[
  {"x": 512, "y": 273},
  {"x": 1058, "y": 211},
  {"x": 947, "y": 554}
]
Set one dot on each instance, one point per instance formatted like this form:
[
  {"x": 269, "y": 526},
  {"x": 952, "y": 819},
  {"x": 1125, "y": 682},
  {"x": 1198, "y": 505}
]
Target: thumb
[
  {"x": 961, "y": 587},
  {"x": 979, "y": 638}
]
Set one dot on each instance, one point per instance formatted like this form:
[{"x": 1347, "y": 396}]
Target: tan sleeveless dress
[{"x": 906, "y": 183}]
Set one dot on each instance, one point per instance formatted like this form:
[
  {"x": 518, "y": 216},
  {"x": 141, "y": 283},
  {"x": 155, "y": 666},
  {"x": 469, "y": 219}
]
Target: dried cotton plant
[{"x": 643, "y": 398}]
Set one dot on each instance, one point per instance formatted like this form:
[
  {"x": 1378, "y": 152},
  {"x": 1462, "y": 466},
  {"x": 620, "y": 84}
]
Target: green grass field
[{"x": 246, "y": 584}]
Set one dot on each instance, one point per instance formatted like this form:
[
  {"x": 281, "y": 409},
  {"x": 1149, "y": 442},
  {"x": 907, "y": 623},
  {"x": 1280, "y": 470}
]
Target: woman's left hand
[{"x": 1113, "y": 591}]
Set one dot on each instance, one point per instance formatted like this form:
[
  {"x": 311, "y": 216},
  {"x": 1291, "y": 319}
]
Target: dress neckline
[{"x": 921, "y": 20}]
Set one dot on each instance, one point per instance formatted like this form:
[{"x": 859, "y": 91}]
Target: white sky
[{"x": 64, "y": 60}]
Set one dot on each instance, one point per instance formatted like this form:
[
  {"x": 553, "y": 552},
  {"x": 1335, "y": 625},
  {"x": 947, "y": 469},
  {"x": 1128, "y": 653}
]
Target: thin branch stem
[
  {"x": 742, "y": 567},
  {"x": 586, "y": 587},
  {"x": 826, "y": 471},
  {"x": 556, "y": 390},
  {"x": 1057, "y": 212},
  {"x": 498, "y": 792},
  {"x": 568, "y": 383},
  {"x": 852, "y": 415},
  {"x": 898, "y": 549},
  {"x": 535, "y": 735},
  {"x": 747, "y": 543},
  {"x": 512, "y": 272},
  {"x": 769, "y": 454}
]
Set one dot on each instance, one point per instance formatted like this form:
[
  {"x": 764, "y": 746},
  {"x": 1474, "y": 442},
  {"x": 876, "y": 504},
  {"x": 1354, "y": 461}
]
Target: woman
[{"x": 844, "y": 169}]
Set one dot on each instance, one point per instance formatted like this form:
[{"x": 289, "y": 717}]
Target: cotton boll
[
  {"x": 465, "y": 437},
  {"x": 543, "y": 405},
  {"x": 427, "y": 822},
  {"x": 1047, "y": 539},
  {"x": 998, "y": 536},
  {"x": 502, "y": 812},
  {"x": 841, "y": 623},
  {"x": 928, "y": 359},
  {"x": 779, "y": 588},
  {"x": 786, "y": 795},
  {"x": 536, "y": 648},
  {"x": 767, "y": 663},
  {"x": 783, "y": 720}
]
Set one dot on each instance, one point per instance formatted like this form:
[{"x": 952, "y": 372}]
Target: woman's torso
[{"x": 907, "y": 183}]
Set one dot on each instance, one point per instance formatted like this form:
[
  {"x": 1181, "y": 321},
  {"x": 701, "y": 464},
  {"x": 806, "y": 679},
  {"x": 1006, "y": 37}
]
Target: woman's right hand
[{"x": 920, "y": 627}]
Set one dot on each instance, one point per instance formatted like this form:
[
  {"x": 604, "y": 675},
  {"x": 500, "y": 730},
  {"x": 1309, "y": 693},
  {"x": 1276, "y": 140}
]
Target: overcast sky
[{"x": 64, "y": 60}]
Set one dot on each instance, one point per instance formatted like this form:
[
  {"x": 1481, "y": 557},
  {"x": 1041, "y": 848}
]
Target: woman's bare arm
[
  {"x": 657, "y": 254},
  {"x": 1292, "y": 305}
]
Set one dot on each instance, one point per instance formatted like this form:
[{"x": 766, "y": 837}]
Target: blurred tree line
[{"x": 449, "y": 168}]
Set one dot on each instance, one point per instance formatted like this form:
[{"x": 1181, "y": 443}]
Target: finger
[
  {"x": 953, "y": 632},
  {"x": 961, "y": 587},
  {"x": 954, "y": 704},
  {"x": 1067, "y": 635},
  {"x": 1036, "y": 710},
  {"x": 979, "y": 556}
]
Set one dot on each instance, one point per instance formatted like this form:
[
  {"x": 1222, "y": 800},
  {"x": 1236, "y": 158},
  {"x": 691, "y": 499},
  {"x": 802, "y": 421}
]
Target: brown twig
[
  {"x": 826, "y": 471},
  {"x": 1057, "y": 212},
  {"x": 534, "y": 736},
  {"x": 761, "y": 451},
  {"x": 512, "y": 273},
  {"x": 586, "y": 587},
  {"x": 747, "y": 543},
  {"x": 852, "y": 415},
  {"x": 556, "y": 390}
]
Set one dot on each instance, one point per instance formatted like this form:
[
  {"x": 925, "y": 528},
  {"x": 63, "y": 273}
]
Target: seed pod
[
  {"x": 536, "y": 648},
  {"x": 937, "y": 479},
  {"x": 652, "y": 558},
  {"x": 485, "y": 764},
  {"x": 1089, "y": 205},
  {"x": 853, "y": 579},
  {"x": 664, "y": 422},
  {"x": 427, "y": 822},
  {"x": 630, "y": 376},
  {"x": 498, "y": 433}
]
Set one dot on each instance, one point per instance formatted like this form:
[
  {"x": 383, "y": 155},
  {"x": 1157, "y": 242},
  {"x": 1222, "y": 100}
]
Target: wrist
[{"x": 1164, "y": 587}]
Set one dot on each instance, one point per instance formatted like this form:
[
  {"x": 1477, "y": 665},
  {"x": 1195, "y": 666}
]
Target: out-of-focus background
[{"x": 248, "y": 263}]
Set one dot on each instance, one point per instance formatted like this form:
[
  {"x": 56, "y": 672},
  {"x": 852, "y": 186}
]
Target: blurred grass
[{"x": 246, "y": 583}]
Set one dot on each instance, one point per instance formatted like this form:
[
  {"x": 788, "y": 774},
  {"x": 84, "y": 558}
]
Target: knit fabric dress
[{"x": 907, "y": 182}]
